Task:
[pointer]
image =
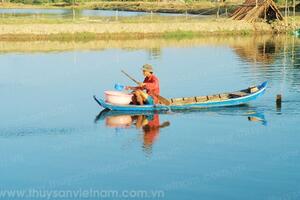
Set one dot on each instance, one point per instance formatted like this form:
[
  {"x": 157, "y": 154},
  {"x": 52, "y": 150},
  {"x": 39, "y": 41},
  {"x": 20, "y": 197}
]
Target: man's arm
[
  {"x": 140, "y": 87},
  {"x": 151, "y": 85}
]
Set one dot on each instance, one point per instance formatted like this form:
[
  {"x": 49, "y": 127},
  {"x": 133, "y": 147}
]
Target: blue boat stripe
[{"x": 227, "y": 102}]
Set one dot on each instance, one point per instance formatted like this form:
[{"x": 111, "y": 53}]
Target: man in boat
[{"x": 148, "y": 91}]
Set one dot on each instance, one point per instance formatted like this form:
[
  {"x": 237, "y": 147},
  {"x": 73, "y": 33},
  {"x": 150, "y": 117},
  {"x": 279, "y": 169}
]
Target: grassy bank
[
  {"x": 248, "y": 42},
  {"x": 205, "y": 7},
  {"x": 121, "y": 30},
  {"x": 148, "y": 26},
  {"x": 193, "y": 7}
]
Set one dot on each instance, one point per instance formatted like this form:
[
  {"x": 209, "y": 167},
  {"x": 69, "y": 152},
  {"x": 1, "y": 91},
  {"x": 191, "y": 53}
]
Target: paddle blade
[{"x": 165, "y": 124}]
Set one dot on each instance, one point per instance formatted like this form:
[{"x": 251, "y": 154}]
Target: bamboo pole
[
  {"x": 285, "y": 13},
  {"x": 218, "y": 11},
  {"x": 117, "y": 15},
  {"x": 294, "y": 13},
  {"x": 293, "y": 50},
  {"x": 73, "y": 10},
  {"x": 265, "y": 10}
]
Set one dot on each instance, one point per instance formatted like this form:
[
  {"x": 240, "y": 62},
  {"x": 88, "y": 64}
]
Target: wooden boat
[{"x": 186, "y": 103}]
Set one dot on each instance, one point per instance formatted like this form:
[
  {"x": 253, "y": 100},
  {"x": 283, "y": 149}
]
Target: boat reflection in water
[
  {"x": 257, "y": 117},
  {"x": 150, "y": 125},
  {"x": 148, "y": 122},
  {"x": 251, "y": 113}
]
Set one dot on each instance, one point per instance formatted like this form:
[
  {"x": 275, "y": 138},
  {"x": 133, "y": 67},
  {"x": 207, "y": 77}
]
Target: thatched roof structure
[{"x": 251, "y": 10}]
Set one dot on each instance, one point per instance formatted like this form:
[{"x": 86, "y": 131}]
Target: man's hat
[{"x": 147, "y": 67}]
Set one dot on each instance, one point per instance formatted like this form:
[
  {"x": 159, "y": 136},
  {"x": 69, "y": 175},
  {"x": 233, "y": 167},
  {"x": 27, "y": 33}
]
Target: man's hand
[
  {"x": 133, "y": 88},
  {"x": 142, "y": 84}
]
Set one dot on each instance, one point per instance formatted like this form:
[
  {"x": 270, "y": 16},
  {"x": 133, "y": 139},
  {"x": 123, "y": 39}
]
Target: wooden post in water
[{"x": 278, "y": 100}]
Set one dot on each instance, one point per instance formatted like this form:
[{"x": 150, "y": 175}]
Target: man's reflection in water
[{"x": 148, "y": 123}]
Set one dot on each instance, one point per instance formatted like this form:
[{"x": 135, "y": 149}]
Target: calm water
[
  {"x": 52, "y": 136},
  {"x": 68, "y": 13}
]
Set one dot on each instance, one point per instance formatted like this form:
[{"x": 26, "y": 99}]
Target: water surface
[
  {"x": 62, "y": 13},
  {"x": 53, "y": 136}
]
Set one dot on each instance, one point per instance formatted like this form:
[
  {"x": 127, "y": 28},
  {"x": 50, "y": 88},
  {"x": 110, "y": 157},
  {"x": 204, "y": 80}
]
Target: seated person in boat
[{"x": 146, "y": 92}]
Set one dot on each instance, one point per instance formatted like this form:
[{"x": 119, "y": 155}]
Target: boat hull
[{"x": 197, "y": 105}]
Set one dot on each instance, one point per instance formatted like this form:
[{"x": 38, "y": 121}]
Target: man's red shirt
[{"x": 152, "y": 87}]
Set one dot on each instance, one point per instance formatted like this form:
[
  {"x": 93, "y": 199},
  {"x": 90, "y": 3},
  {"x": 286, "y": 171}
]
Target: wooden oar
[
  {"x": 161, "y": 99},
  {"x": 130, "y": 77}
]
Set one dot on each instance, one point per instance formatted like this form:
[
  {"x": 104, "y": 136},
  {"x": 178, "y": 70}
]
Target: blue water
[{"x": 51, "y": 137}]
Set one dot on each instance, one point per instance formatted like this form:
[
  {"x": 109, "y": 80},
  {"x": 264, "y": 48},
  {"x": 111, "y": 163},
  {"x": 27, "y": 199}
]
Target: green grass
[
  {"x": 126, "y": 28},
  {"x": 83, "y": 36},
  {"x": 37, "y": 20},
  {"x": 180, "y": 34},
  {"x": 190, "y": 34}
]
